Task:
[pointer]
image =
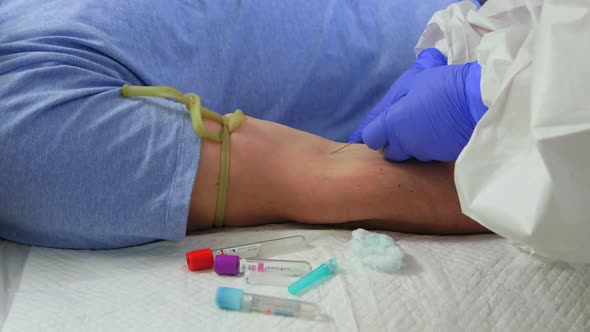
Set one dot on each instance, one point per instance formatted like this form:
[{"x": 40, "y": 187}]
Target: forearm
[
  {"x": 358, "y": 186},
  {"x": 278, "y": 173}
]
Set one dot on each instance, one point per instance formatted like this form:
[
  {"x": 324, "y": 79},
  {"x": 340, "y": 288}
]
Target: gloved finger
[
  {"x": 394, "y": 152},
  {"x": 399, "y": 123},
  {"x": 424, "y": 159},
  {"x": 381, "y": 134},
  {"x": 395, "y": 93},
  {"x": 387, "y": 101},
  {"x": 428, "y": 58},
  {"x": 375, "y": 133},
  {"x": 356, "y": 136}
]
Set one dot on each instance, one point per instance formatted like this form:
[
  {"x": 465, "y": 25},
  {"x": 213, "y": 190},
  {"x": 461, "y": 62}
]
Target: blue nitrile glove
[
  {"x": 428, "y": 58},
  {"x": 435, "y": 118}
]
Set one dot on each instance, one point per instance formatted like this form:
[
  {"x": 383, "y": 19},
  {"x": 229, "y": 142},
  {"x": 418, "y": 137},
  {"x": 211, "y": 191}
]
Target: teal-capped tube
[{"x": 318, "y": 274}]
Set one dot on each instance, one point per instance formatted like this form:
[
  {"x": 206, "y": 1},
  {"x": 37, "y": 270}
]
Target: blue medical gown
[{"x": 81, "y": 167}]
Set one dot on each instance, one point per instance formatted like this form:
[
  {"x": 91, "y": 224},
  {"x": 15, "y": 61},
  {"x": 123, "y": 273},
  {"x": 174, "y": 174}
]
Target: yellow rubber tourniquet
[{"x": 198, "y": 112}]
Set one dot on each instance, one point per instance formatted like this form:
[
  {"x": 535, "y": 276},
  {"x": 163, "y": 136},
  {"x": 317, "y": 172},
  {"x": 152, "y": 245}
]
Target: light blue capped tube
[
  {"x": 320, "y": 273},
  {"x": 235, "y": 299}
]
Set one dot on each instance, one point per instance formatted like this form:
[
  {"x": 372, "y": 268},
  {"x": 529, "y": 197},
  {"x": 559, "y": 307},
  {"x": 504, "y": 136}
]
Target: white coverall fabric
[{"x": 524, "y": 173}]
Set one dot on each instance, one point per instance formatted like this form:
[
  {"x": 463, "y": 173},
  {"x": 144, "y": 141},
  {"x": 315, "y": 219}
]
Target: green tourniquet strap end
[
  {"x": 198, "y": 112},
  {"x": 223, "y": 179}
]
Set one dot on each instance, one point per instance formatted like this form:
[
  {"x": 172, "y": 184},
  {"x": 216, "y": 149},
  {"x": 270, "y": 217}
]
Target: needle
[{"x": 347, "y": 145}]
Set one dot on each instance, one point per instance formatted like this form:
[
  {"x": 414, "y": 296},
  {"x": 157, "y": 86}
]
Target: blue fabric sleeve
[{"x": 82, "y": 167}]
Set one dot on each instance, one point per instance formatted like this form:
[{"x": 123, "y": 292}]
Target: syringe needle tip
[{"x": 347, "y": 145}]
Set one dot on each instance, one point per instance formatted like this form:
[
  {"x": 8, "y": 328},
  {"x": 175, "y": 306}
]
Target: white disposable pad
[
  {"x": 472, "y": 283},
  {"x": 12, "y": 261}
]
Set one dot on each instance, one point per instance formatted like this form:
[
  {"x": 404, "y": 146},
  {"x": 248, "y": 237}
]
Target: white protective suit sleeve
[{"x": 525, "y": 172}]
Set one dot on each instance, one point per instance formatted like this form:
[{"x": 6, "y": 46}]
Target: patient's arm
[{"x": 279, "y": 173}]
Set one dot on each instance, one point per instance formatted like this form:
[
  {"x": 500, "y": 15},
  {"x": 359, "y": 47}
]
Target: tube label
[{"x": 277, "y": 267}]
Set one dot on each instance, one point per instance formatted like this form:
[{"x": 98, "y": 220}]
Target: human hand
[
  {"x": 434, "y": 120},
  {"x": 426, "y": 59}
]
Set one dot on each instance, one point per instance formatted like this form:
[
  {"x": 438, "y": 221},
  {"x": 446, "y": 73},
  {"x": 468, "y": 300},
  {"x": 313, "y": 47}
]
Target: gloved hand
[
  {"x": 426, "y": 59},
  {"x": 434, "y": 120}
]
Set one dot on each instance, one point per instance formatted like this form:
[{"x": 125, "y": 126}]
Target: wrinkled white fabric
[{"x": 524, "y": 173}]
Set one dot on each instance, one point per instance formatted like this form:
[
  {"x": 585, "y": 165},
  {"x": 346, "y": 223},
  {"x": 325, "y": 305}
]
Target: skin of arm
[{"x": 282, "y": 174}]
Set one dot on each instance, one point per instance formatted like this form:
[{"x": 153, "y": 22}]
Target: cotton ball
[{"x": 377, "y": 251}]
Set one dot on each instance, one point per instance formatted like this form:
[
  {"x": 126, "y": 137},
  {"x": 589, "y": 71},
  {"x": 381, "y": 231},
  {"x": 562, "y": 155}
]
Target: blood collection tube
[
  {"x": 203, "y": 258},
  {"x": 234, "y": 265},
  {"x": 235, "y": 299}
]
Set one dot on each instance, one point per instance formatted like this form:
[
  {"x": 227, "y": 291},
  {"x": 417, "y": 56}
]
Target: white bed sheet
[
  {"x": 12, "y": 261},
  {"x": 476, "y": 283}
]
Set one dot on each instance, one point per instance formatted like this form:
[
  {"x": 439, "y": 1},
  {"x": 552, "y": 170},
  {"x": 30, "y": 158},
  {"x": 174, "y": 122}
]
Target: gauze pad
[{"x": 377, "y": 251}]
